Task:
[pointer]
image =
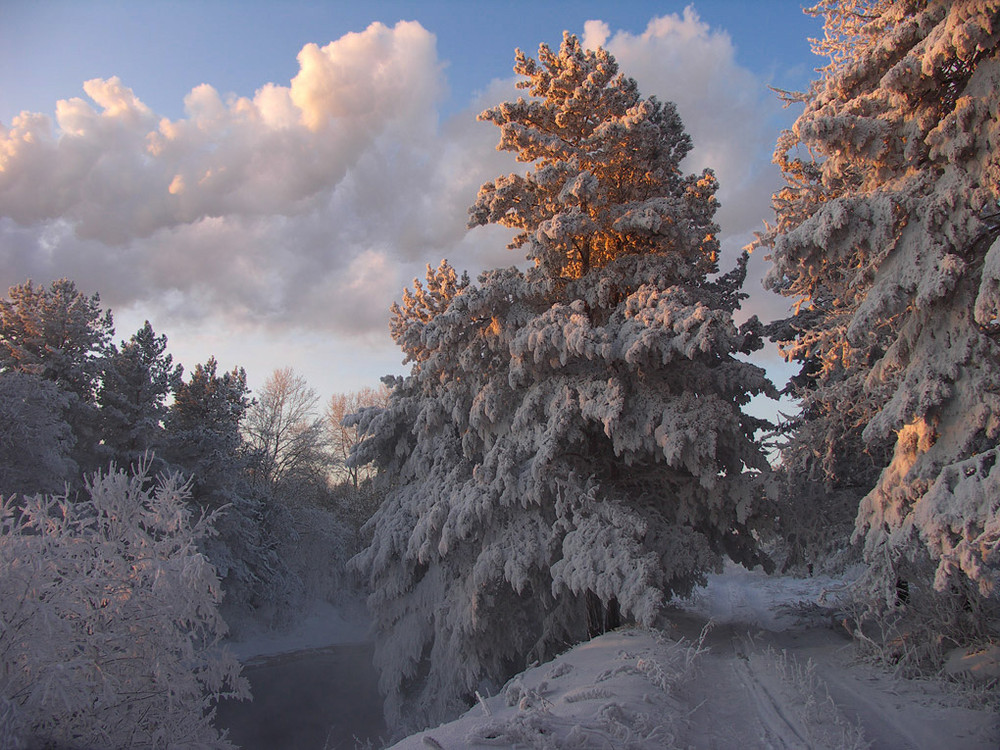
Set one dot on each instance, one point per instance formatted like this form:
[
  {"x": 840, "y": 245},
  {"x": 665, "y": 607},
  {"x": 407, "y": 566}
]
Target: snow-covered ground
[{"x": 761, "y": 676}]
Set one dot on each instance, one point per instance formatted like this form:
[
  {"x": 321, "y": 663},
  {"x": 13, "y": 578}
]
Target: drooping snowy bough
[
  {"x": 886, "y": 233},
  {"x": 570, "y": 439}
]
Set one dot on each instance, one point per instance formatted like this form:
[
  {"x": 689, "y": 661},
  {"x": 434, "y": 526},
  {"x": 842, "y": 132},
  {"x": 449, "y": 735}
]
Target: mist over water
[{"x": 308, "y": 700}]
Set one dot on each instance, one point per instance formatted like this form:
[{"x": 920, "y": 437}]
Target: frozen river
[{"x": 308, "y": 700}]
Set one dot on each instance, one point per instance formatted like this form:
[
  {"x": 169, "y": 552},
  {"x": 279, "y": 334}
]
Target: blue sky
[{"x": 271, "y": 216}]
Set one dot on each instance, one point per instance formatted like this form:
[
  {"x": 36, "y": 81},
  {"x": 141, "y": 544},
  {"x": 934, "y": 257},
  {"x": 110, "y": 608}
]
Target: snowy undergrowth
[
  {"x": 777, "y": 603},
  {"x": 616, "y": 691}
]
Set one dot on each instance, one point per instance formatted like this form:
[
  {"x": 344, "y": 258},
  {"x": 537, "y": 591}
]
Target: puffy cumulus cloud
[
  {"x": 732, "y": 116},
  {"x": 308, "y": 206},
  {"x": 304, "y": 205}
]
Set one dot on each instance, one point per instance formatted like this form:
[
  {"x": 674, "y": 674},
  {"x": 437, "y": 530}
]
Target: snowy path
[{"x": 803, "y": 689}]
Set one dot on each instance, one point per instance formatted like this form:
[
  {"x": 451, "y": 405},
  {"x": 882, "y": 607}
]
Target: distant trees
[
  {"x": 886, "y": 237},
  {"x": 35, "y": 440},
  {"x": 109, "y": 621},
  {"x": 202, "y": 429},
  {"x": 343, "y": 437},
  {"x": 569, "y": 443},
  {"x": 284, "y": 432},
  {"x": 71, "y": 401},
  {"x": 60, "y": 335},
  {"x": 56, "y": 333}
]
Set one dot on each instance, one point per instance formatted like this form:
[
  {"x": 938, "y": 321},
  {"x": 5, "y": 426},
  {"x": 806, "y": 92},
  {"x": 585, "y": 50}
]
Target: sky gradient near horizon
[{"x": 261, "y": 180}]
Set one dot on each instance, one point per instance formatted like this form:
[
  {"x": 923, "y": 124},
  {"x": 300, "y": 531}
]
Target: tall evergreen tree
[
  {"x": 135, "y": 383},
  {"x": 203, "y": 431},
  {"x": 886, "y": 235},
  {"x": 570, "y": 442},
  {"x": 57, "y": 333},
  {"x": 60, "y": 335},
  {"x": 35, "y": 440}
]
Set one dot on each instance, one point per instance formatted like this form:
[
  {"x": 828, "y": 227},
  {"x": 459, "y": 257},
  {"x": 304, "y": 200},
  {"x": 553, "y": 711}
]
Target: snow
[
  {"x": 759, "y": 675},
  {"x": 753, "y": 597},
  {"x": 610, "y": 692}
]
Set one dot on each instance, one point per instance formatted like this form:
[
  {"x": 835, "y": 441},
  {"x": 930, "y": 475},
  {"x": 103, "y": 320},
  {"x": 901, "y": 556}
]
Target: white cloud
[
  {"x": 309, "y": 206},
  {"x": 729, "y": 112},
  {"x": 246, "y": 208}
]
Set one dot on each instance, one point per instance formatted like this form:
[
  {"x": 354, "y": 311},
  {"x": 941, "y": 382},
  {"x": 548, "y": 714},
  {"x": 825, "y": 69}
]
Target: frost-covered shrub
[
  {"x": 109, "y": 621},
  {"x": 886, "y": 236},
  {"x": 570, "y": 439}
]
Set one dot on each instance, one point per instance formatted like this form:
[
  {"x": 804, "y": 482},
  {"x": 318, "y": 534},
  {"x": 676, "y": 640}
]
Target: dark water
[{"x": 308, "y": 700}]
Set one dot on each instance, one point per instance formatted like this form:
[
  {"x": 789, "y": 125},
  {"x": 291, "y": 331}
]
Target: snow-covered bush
[
  {"x": 109, "y": 621},
  {"x": 570, "y": 440},
  {"x": 886, "y": 237}
]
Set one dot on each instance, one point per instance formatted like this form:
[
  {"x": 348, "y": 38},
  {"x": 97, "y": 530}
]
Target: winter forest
[{"x": 570, "y": 454}]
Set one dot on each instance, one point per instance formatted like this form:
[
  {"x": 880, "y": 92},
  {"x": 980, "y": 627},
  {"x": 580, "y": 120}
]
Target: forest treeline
[
  {"x": 96, "y": 439},
  {"x": 571, "y": 449},
  {"x": 72, "y": 402}
]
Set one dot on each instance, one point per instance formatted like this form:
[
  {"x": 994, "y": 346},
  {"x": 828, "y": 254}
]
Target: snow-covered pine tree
[
  {"x": 135, "y": 383},
  {"x": 203, "y": 431},
  {"x": 571, "y": 435},
  {"x": 35, "y": 440},
  {"x": 886, "y": 234},
  {"x": 59, "y": 334}
]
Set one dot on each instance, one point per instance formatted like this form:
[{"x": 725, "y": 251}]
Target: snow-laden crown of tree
[
  {"x": 886, "y": 235},
  {"x": 570, "y": 439}
]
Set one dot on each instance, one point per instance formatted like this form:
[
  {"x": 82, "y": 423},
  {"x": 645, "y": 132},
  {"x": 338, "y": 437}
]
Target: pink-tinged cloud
[{"x": 310, "y": 205}]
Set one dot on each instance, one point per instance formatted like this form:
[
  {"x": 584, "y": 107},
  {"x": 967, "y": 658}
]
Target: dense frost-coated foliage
[
  {"x": 60, "y": 335},
  {"x": 136, "y": 380},
  {"x": 109, "y": 622},
  {"x": 35, "y": 440},
  {"x": 571, "y": 435},
  {"x": 886, "y": 233}
]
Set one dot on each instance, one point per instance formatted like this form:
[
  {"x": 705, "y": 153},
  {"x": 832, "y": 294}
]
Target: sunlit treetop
[{"x": 606, "y": 179}]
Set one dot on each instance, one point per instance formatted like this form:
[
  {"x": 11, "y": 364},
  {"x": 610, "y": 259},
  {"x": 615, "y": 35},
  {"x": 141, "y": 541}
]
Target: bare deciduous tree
[{"x": 283, "y": 431}]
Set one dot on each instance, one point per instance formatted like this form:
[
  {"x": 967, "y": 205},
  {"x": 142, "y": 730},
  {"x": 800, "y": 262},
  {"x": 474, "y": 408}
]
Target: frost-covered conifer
[
  {"x": 61, "y": 335},
  {"x": 570, "y": 439},
  {"x": 57, "y": 333},
  {"x": 886, "y": 235},
  {"x": 135, "y": 383},
  {"x": 203, "y": 430},
  {"x": 35, "y": 440}
]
